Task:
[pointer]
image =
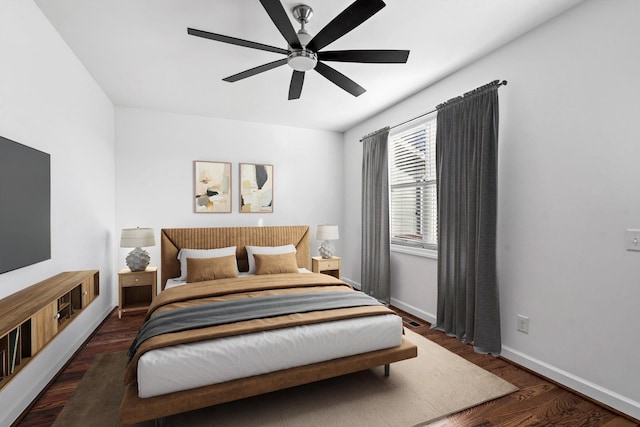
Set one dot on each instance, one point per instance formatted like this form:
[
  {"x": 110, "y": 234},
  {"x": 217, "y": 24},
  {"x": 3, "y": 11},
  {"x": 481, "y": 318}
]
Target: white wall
[
  {"x": 568, "y": 189},
  {"x": 48, "y": 101},
  {"x": 155, "y": 152}
]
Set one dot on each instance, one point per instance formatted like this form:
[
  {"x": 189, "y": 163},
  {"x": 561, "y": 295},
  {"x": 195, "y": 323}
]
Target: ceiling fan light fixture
[{"x": 302, "y": 60}]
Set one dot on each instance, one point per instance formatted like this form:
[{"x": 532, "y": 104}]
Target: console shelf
[{"x": 32, "y": 317}]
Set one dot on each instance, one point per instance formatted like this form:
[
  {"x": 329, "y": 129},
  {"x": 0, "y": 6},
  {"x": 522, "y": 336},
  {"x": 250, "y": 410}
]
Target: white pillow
[
  {"x": 202, "y": 253},
  {"x": 266, "y": 250}
]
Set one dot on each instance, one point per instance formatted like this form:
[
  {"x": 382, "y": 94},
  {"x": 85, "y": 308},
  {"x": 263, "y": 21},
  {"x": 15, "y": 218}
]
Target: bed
[{"x": 362, "y": 335}]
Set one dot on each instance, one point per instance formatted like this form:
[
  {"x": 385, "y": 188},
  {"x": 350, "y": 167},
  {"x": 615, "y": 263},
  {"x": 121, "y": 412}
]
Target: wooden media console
[{"x": 33, "y": 316}]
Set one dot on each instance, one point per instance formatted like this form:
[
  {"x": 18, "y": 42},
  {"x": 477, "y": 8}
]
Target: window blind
[{"x": 412, "y": 178}]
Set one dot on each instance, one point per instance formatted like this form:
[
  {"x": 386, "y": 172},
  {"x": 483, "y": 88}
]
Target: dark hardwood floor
[{"x": 539, "y": 402}]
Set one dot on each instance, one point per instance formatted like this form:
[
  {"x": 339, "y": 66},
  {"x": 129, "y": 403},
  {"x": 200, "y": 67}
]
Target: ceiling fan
[{"x": 304, "y": 51}]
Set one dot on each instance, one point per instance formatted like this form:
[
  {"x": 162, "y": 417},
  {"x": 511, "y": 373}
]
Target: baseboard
[
  {"x": 355, "y": 285},
  {"x": 602, "y": 395},
  {"x": 421, "y": 314},
  {"x": 18, "y": 411}
]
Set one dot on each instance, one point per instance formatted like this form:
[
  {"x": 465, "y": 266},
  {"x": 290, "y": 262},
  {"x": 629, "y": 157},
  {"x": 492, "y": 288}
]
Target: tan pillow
[
  {"x": 201, "y": 269},
  {"x": 274, "y": 264}
]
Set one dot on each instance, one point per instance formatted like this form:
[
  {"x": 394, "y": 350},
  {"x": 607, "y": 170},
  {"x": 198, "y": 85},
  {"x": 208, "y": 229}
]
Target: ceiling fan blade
[
  {"x": 368, "y": 56},
  {"x": 233, "y": 40},
  {"x": 354, "y": 15},
  {"x": 340, "y": 79},
  {"x": 256, "y": 70},
  {"x": 280, "y": 18},
  {"x": 295, "y": 88}
]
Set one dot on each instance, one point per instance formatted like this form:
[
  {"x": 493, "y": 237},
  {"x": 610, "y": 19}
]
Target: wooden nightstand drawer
[
  {"x": 330, "y": 264},
  {"x": 137, "y": 279}
]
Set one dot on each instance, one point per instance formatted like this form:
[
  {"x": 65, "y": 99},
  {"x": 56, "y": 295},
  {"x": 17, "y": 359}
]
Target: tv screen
[{"x": 25, "y": 205}]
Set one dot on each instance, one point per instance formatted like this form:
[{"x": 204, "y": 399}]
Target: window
[{"x": 412, "y": 178}]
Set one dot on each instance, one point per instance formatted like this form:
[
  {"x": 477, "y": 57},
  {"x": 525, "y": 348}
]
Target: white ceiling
[{"x": 139, "y": 52}]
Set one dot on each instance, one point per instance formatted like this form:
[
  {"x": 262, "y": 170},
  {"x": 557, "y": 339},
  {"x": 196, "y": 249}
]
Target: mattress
[{"x": 187, "y": 366}]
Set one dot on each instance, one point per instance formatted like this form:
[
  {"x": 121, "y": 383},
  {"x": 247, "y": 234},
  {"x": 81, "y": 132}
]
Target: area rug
[{"x": 420, "y": 390}]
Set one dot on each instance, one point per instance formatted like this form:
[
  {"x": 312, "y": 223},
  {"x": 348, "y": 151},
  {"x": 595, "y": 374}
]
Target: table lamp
[
  {"x": 327, "y": 232},
  {"x": 138, "y": 258}
]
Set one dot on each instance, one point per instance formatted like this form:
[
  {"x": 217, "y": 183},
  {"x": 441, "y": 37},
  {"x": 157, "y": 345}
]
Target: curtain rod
[{"x": 497, "y": 82}]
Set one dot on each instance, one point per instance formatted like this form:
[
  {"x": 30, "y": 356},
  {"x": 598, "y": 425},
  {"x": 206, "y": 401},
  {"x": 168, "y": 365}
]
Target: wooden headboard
[{"x": 174, "y": 239}]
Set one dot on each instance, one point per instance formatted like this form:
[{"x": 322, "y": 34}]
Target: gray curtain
[
  {"x": 466, "y": 164},
  {"x": 375, "y": 276}
]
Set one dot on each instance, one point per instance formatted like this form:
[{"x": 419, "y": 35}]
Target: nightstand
[
  {"x": 136, "y": 289},
  {"x": 330, "y": 266}
]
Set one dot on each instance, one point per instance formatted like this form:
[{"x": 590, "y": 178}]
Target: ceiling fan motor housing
[{"x": 302, "y": 59}]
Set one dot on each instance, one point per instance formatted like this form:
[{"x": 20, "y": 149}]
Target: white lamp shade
[
  {"x": 137, "y": 237},
  {"x": 327, "y": 232}
]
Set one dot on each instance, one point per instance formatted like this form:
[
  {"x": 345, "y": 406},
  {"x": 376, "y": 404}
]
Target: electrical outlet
[
  {"x": 632, "y": 237},
  {"x": 523, "y": 324}
]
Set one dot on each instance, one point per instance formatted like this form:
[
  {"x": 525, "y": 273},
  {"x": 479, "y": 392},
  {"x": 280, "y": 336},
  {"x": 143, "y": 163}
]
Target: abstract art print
[
  {"x": 212, "y": 187},
  {"x": 256, "y": 188}
]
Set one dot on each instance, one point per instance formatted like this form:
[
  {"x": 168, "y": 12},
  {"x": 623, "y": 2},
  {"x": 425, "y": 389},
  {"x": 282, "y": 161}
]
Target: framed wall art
[
  {"x": 256, "y": 188},
  {"x": 212, "y": 184}
]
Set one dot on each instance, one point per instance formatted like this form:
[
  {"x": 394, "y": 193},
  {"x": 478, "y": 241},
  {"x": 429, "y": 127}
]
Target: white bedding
[{"x": 187, "y": 366}]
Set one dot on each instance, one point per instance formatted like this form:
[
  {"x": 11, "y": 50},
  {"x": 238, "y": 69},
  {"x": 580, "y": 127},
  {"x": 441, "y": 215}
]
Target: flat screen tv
[{"x": 25, "y": 205}]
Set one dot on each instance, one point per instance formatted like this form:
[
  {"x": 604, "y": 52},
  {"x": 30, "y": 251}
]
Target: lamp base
[
  {"x": 138, "y": 259},
  {"x": 327, "y": 249}
]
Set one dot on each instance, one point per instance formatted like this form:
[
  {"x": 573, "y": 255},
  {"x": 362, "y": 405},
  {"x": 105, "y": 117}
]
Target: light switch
[{"x": 632, "y": 238}]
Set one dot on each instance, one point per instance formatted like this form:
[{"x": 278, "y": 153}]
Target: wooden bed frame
[{"x": 134, "y": 409}]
